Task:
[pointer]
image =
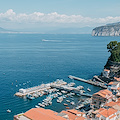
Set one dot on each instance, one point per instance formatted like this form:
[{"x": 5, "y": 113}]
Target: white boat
[
  {"x": 67, "y": 100},
  {"x": 9, "y": 111},
  {"x": 72, "y": 103},
  {"x": 89, "y": 89},
  {"x": 37, "y": 106},
  {"x": 41, "y": 105}
]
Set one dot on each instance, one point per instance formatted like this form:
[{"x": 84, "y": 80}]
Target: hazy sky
[{"x": 23, "y": 14}]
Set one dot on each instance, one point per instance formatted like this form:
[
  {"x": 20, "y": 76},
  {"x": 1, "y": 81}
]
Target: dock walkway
[{"x": 99, "y": 84}]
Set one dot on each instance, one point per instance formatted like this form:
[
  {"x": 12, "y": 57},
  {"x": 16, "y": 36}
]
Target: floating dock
[{"x": 99, "y": 84}]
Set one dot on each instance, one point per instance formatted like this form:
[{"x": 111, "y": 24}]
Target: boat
[
  {"x": 67, "y": 100},
  {"x": 72, "y": 103},
  {"x": 65, "y": 104},
  {"x": 67, "y": 107},
  {"x": 41, "y": 105},
  {"x": 89, "y": 89},
  {"x": 71, "y": 84},
  {"x": 37, "y": 106},
  {"x": 30, "y": 97},
  {"x": 9, "y": 111}
]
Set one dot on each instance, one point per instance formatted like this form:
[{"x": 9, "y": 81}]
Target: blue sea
[{"x": 43, "y": 58}]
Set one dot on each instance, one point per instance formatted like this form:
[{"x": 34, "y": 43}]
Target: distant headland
[{"x": 107, "y": 30}]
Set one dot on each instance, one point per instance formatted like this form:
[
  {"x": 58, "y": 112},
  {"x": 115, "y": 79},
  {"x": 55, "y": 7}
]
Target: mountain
[{"x": 112, "y": 29}]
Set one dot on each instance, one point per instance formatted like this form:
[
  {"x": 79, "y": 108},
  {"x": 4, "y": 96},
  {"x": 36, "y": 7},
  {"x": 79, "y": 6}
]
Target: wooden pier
[{"x": 99, "y": 84}]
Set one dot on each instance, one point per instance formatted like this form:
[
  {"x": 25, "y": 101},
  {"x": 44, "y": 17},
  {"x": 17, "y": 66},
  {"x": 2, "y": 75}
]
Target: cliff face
[{"x": 107, "y": 30}]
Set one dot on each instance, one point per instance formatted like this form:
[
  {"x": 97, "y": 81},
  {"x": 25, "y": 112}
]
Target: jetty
[
  {"x": 23, "y": 92},
  {"x": 95, "y": 83}
]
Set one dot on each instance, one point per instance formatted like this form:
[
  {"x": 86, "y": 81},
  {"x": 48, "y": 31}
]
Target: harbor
[{"x": 59, "y": 91}]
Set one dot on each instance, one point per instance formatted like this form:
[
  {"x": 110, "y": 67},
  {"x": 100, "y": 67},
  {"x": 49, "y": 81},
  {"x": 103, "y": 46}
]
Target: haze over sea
[{"x": 28, "y": 59}]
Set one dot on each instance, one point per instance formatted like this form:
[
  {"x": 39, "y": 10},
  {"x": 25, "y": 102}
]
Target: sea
[{"x": 28, "y": 60}]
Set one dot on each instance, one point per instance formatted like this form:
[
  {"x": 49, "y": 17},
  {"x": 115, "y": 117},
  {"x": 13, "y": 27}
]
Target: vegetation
[{"x": 114, "y": 48}]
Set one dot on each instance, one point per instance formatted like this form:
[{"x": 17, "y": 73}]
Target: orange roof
[
  {"x": 75, "y": 111},
  {"x": 112, "y": 116},
  {"x": 110, "y": 83},
  {"x": 106, "y": 70},
  {"x": 118, "y": 88},
  {"x": 103, "y": 93},
  {"x": 42, "y": 114},
  {"x": 106, "y": 113},
  {"x": 110, "y": 104},
  {"x": 80, "y": 118},
  {"x": 70, "y": 115},
  {"x": 95, "y": 112},
  {"x": 118, "y": 79},
  {"x": 98, "y": 115}
]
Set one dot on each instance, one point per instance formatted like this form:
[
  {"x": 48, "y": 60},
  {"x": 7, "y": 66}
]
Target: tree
[{"x": 114, "y": 48}]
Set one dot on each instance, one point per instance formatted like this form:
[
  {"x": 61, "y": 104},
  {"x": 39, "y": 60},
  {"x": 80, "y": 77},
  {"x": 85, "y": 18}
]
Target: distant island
[{"x": 107, "y": 30}]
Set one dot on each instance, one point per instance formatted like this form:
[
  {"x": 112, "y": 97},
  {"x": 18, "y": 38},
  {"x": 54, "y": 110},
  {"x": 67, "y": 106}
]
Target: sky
[{"x": 55, "y": 14}]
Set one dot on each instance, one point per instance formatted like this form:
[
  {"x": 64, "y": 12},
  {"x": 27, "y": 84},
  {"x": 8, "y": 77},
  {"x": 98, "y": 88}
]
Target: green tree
[{"x": 114, "y": 48}]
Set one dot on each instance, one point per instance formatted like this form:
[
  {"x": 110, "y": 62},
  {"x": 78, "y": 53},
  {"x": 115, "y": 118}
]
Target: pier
[
  {"x": 23, "y": 92},
  {"x": 99, "y": 84}
]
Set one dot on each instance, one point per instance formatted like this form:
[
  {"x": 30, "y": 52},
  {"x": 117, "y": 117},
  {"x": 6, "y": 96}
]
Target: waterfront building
[
  {"x": 106, "y": 73},
  {"x": 39, "y": 114},
  {"x": 73, "y": 115},
  {"x": 105, "y": 114},
  {"x": 101, "y": 97},
  {"x": 114, "y": 86},
  {"x": 46, "y": 114}
]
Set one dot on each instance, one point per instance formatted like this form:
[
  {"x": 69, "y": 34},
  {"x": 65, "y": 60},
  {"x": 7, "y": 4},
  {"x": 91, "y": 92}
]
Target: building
[
  {"x": 39, "y": 114},
  {"x": 104, "y": 114},
  {"x": 101, "y": 97},
  {"x": 46, "y": 114},
  {"x": 106, "y": 73},
  {"x": 114, "y": 86}
]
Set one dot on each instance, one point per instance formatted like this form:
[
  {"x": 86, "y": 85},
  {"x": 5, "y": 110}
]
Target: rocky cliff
[{"x": 107, "y": 30}]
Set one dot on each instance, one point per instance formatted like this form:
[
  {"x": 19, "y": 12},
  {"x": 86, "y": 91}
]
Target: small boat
[
  {"x": 72, "y": 103},
  {"x": 9, "y": 111},
  {"x": 89, "y": 89},
  {"x": 67, "y": 100},
  {"x": 30, "y": 97},
  {"x": 41, "y": 105},
  {"x": 67, "y": 107},
  {"x": 37, "y": 106},
  {"x": 65, "y": 104}
]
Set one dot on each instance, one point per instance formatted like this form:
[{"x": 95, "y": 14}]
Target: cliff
[{"x": 107, "y": 30}]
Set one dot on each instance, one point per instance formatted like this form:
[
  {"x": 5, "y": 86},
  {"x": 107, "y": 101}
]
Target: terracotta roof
[
  {"x": 106, "y": 70},
  {"x": 80, "y": 118},
  {"x": 70, "y": 115},
  {"x": 113, "y": 83},
  {"x": 103, "y": 93},
  {"x": 118, "y": 79},
  {"x": 110, "y": 104},
  {"x": 112, "y": 116},
  {"x": 106, "y": 113},
  {"x": 75, "y": 111},
  {"x": 95, "y": 112},
  {"x": 118, "y": 88},
  {"x": 42, "y": 114}
]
